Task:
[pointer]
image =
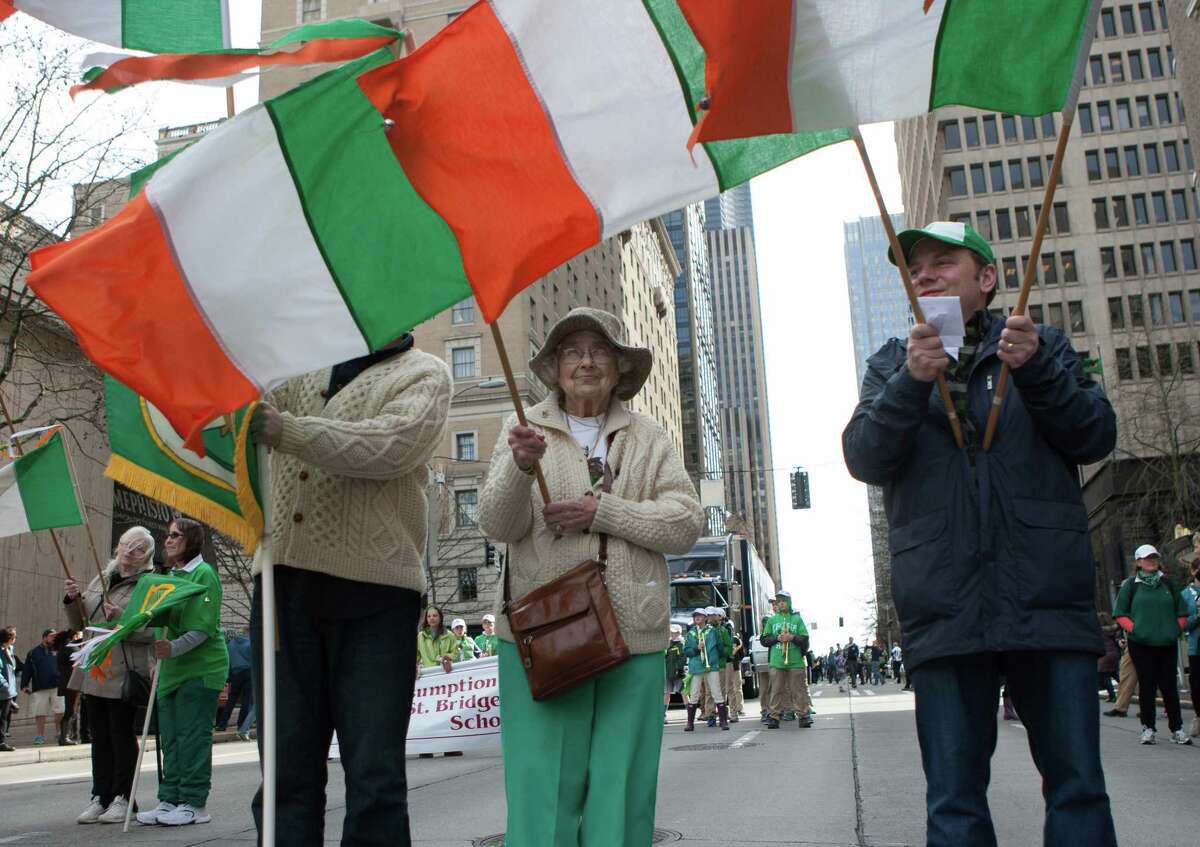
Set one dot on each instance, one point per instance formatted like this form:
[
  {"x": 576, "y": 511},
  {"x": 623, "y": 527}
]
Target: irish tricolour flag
[
  {"x": 156, "y": 26},
  {"x": 36, "y": 491},
  {"x": 324, "y": 223},
  {"x": 801, "y": 65}
]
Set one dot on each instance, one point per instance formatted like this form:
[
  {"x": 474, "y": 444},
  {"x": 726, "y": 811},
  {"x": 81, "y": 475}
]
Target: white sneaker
[
  {"x": 1180, "y": 737},
  {"x": 184, "y": 814},
  {"x": 151, "y": 817},
  {"x": 1148, "y": 735},
  {"x": 92, "y": 813},
  {"x": 115, "y": 813}
]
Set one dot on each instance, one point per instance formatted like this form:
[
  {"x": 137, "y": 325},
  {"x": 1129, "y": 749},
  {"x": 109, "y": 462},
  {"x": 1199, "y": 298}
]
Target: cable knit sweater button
[
  {"x": 303, "y": 476},
  {"x": 297, "y": 517}
]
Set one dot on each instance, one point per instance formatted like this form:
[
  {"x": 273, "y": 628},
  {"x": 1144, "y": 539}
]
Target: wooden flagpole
[
  {"x": 1035, "y": 250},
  {"x": 267, "y": 717},
  {"x": 516, "y": 399},
  {"x": 87, "y": 527},
  {"x": 137, "y": 771},
  {"x": 914, "y": 304}
]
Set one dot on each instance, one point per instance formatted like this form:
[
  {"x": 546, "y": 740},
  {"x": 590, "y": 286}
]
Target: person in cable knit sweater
[
  {"x": 349, "y": 470},
  {"x": 582, "y": 767}
]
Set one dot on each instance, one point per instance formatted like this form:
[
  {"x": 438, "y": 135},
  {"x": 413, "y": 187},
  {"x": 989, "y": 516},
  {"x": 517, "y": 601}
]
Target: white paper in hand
[{"x": 945, "y": 315}]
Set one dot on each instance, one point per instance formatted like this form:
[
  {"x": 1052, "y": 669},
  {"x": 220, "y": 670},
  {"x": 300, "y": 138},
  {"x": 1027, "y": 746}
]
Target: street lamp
[{"x": 490, "y": 382}]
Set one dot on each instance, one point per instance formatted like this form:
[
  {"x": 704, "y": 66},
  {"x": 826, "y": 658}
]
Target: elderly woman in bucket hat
[{"x": 582, "y": 768}]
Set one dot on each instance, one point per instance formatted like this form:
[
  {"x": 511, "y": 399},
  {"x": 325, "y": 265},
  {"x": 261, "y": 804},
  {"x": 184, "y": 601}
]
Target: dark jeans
[
  {"x": 1156, "y": 672},
  {"x": 1194, "y": 681},
  {"x": 5, "y": 710},
  {"x": 114, "y": 747},
  {"x": 241, "y": 688},
  {"x": 1055, "y": 694},
  {"x": 352, "y": 675},
  {"x": 1106, "y": 679}
]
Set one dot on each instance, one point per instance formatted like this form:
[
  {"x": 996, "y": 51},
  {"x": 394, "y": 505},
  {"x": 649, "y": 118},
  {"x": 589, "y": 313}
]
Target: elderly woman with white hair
[
  {"x": 111, "y": 719},
  {"x": 581, "y": 767}
]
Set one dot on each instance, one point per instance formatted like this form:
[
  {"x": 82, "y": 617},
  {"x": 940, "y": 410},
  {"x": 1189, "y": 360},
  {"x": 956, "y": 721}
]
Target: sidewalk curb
[{"x": 54, "y": 753}]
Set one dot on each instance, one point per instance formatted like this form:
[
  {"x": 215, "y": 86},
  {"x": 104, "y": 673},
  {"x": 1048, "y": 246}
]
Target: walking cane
[{"x": 137, "y": 771}]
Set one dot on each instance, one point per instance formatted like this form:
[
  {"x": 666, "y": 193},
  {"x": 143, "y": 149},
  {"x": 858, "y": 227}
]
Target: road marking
[
  {"x": 870, "y": 693},
  {"x": 744, "y": 740},
  {"x": 13, "y": 839},
  {"x": 818, "y": 692}
]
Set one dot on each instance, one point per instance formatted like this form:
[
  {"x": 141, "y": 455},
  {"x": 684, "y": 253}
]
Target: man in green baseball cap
[{"x": 991, "y": 562}]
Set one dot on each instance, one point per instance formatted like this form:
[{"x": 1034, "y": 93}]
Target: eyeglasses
[
  {"x": 174, "y": 534},
  {"x": 573, "y": 355}
]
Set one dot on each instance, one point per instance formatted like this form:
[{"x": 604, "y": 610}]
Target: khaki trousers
[
  {"x": 805, "y": 698},
  {"x": 1127, "y": 684},
  {"x": 711, "y": 688},
  {"x": 731, "y": 682},
  {"x": 764, "y": 691},
  {"x": 785, "y": 692}
]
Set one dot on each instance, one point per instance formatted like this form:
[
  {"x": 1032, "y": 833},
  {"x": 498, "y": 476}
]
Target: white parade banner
[{"x": 456, "y": 711}]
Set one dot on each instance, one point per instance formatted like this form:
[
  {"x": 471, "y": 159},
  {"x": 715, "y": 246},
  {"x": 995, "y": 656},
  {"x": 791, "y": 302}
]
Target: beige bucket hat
[{"x": 637, "y": 360}]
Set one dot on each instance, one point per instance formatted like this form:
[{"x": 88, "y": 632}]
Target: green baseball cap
[{"x": 950, "y": 232}]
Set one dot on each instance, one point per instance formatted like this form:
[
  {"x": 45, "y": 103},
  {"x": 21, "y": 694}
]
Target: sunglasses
[{"x": 174, "y": 534}]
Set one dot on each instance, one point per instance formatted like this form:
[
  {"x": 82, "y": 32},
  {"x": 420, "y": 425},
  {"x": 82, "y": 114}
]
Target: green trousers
[
  {"x": 185, "y": 723},
  {"x": 581, "y": 769}
]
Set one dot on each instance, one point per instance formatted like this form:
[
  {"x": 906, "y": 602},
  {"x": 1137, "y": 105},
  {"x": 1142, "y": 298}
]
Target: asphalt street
[{"x": 853, "y": 780}]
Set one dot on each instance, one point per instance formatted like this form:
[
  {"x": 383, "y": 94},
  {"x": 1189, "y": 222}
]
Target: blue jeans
[{"x": 1055, "y": 696}]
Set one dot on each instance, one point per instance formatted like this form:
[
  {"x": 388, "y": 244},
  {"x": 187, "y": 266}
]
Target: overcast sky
[{"x": 799, "y": 210}]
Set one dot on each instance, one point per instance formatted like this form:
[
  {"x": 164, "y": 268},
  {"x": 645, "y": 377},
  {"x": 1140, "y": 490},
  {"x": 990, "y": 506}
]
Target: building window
[
  {"x": 1153, "y": 165},
  {"x": 1104, "y": 116},
  {"x": 1147, "y": 14},
  {"x": 1108, "y": 262},
  {"x": 1187, "y": 247},
  {"x": 1075, "y": 313},
  {"x": 464, "y": 446},
  {"x": 990, "y": 134},
  {"x": 1070, "y": 273},
  {"x": 971, "y": 130},
  {"x": 951, "y": 139},
  {"x": 1154, "y": 60},
  {"x": 1124, "y": 365},
  {"x": 1096, "y": 69},
  {"x": 466, "y": 508},
  {"x": 996, "y": 172},
  {"x": 1162, "y": 104},
  {"x": 1183, "y": 352},
  {"x": 1056, "y": 316},
  {"x": 468, "y": 583},
  {"x": 1133, "y": 164},
  {"x": 1116, "y": 313},
  {"x": 1120, "y": 211},
  {"x": 463, "y": 312},
  {"x": 1016, "y": 174},
  {"x": 1144, "y": 118},
  {"x": 1157, "y": 315},
  {"x": 1022, "y": 215},
  {"x": 1164, "y": 359},
  {"x": 1003, "y": 225},
  {"x": 978, "y": 181},
  {"x": 1048, "y": 125},
  {"x": 1179, "y": 204},
  {"x": 1028, "y": 128},
  {"x": 958, "y": 181},
  {"x": 462, "y": 360},
  {"x": 1144, "y": 365},
  {"x": 1116, "y": 67},
  {"x": 1124, "y": 115},
  {"x": 1149, "y": 264},
  {"x": 1062, "y": 221},
  {"x": 1036, "y": 315},
  {"x": 310, "y": 10},
  {"x": 1010, "y": 274},
  {"x": 1128, "y": 263},
  {"x": 1112, "y": 162},
  {"x": 1092, "y": 157},
  {"x": 1084, "y": 113},
  {"x": 1171, "y": 156},
  {"x": 1141, "y": 213},
  {"x": 1100, "y": 212},
  {"x": 1166, "y": 249},
  {"x": 1108, "y": 23},
  {"x": 1035, "y": 173},
  {"x": 1010, "y": 127},
  {"x": 1158, "y": 200},
  {"x": 983, "y": 223},
  {"x": 1136, "y": 72},
  {"x": 1175, "y": 306},
  {"x": 1049, "y": 269},
  {"x": 1127, "y": 25}
]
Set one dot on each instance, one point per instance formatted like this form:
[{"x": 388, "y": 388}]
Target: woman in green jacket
[
  {"x": 436, "y": 645},
  {"x": 193, "y": 664},
  {"x": 1153, "y": 612}
]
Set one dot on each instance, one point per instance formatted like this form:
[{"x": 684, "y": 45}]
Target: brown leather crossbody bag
[{"x": 566, "y": 630}]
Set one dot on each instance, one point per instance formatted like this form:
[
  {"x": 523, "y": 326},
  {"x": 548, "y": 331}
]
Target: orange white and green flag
[
  {"x": 324, "y": 223},
  {"x": 801, "y": 65},
  {"x": 156, "y": 26},
  {"x": 37, "y": 490}
]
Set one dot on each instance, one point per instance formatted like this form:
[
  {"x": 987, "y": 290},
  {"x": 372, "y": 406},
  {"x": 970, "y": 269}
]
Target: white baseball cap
[
  {"x": 720, "y": 611},
  {"x": 489, "y": 618},
  {"x": 699, "y": 612},
  {"x": 676, "y": 628},
  {"x": 712, "y": 610},
  {"x": 457, "y": 623},
  {"x": 1145, "y": 552}
]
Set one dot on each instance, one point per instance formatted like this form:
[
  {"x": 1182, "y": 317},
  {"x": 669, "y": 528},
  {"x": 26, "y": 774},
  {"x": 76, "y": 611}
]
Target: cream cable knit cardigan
[
  {"x": 348, "y": 478},
  {"x": 652, "y": 510}
]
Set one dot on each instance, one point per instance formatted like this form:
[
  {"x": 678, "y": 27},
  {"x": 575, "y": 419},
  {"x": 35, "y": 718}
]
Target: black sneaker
[
  {"x": 772, "y": 723},
  {"x": 1116, "y": 713}
]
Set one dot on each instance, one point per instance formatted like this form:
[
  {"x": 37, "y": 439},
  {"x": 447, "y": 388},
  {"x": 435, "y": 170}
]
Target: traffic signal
[
  {"x": 800, "y": 495},
  {"x": 489, "y": 554},
  {"x": 841, "y": 622}
]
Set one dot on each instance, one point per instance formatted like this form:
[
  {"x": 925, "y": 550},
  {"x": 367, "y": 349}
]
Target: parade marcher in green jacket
[
  {"x": 192, "y": 668},
  {"x": 704, "y": 649},
  {"x": 787, "y": 637},
  {"x": 1153, "y": 612},
  {"x": 435, "y": 644},
  {"x": 676, "y": 667},
  {"x": 486, "y": 641},
  {"x": 465, "y": 643}
]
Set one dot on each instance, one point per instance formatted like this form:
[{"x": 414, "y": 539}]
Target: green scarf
[{"x": 1150, "y": 580}]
